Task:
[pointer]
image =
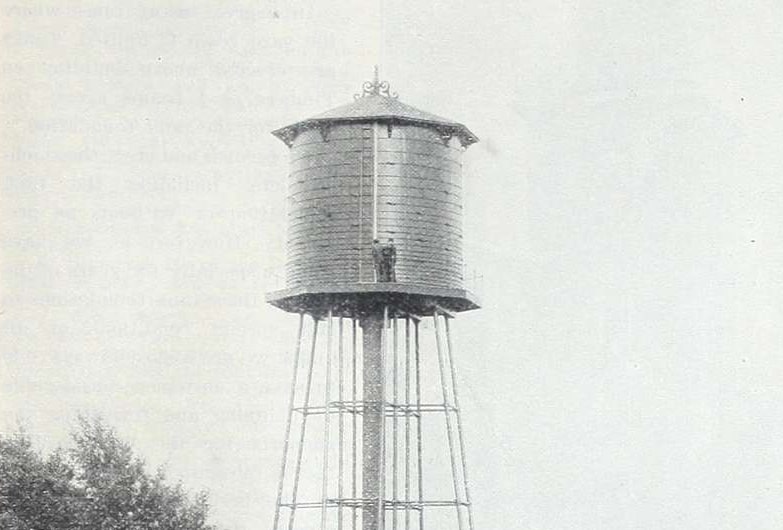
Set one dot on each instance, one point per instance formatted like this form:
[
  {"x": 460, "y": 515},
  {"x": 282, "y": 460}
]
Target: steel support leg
[
  {"x": 419, "y": 458},
  {"x": 354, "y": 422},
  {"x": 447, "y": 414},
  {"x": 453, "y": 370},
  {"x": 302, "y": 433},
  {"x": 281, "y": 482},
  {"x": 341, "y": 422},
  {"x": 395, "y": 403},
  {"x": 327, "y": 417}
]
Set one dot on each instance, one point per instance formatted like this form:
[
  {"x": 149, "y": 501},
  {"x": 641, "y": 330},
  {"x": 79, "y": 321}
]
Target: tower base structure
[{"x": 374, "y": 436}]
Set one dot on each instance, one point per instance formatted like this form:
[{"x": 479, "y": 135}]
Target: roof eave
[{"x": 447, "y": 129}]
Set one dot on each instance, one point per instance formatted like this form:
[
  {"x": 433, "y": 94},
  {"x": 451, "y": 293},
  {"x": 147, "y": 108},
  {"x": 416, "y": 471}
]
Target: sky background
[{"x": 624, "y": 207}]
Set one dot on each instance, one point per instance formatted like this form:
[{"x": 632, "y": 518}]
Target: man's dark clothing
[
  {"x": 384, "y": 258},
  {"x": 389, "y": 260},
  {"x": 377, "y": 259}
]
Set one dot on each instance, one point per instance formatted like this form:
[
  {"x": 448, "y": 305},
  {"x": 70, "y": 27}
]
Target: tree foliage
[{"x": 96, "y": 483}]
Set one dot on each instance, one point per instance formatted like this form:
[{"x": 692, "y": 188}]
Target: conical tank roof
[{"x": 377, "y": 104}]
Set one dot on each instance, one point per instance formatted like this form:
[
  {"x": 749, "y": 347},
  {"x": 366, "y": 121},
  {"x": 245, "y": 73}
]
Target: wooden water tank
[{"x": 375, "y": 168}]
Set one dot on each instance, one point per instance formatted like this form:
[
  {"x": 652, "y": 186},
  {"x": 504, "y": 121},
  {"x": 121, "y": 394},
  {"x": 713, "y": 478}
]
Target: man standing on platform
[
  {"x": 378, "y": 261},
  {"x": 389, "y": 255}
]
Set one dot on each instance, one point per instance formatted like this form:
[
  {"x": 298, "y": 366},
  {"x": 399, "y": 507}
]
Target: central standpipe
[{"x": 374, "y": 432}]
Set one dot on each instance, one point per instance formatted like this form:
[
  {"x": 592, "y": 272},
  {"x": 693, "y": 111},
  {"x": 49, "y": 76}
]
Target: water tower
[{"x": 362, "y": 432}]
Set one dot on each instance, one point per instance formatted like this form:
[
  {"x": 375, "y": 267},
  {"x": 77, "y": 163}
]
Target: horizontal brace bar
[
  {"x": 391, "y": 410},
  {"x": 387, "y": 505}
]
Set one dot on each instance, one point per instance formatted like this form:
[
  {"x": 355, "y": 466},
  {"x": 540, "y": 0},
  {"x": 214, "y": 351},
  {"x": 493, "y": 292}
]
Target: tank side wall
[
  {"x": 330, "y": 205},
  {"x": 329, "y": 231},
  {"x": 420, "y": 204}
]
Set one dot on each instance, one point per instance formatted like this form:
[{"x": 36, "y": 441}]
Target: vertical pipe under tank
[{"x": 373, "y": 432}]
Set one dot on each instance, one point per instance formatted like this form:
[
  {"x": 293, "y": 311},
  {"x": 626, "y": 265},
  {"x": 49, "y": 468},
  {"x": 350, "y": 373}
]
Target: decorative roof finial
[{"x": 376, "y": 87}]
